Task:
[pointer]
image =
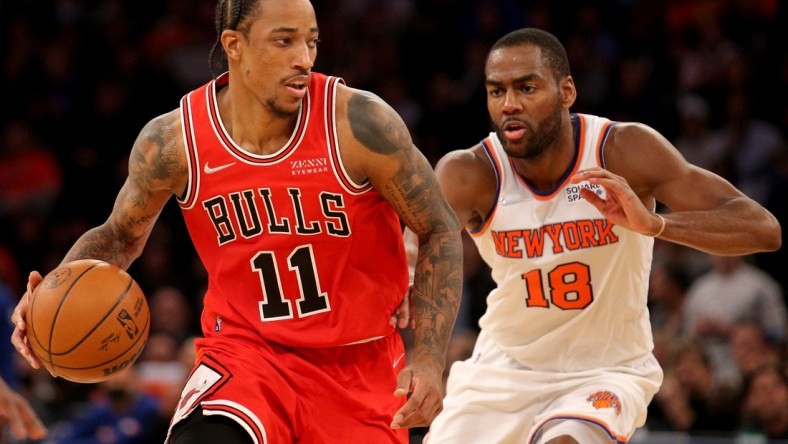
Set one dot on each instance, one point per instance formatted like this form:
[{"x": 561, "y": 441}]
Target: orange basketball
[{"x": 87, "y": 320}]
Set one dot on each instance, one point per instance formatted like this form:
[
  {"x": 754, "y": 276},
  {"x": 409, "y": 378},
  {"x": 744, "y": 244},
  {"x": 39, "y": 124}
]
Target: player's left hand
[
  {"x": 422, "y": 381},
  {"x": 401, "y": 317},
  {"x": 620, "y": 205}
]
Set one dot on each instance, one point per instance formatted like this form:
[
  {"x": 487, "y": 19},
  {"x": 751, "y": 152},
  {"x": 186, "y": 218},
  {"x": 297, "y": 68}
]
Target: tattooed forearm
[
  {"x": 377, "y": 127},
  {"x": 99, "y": 243},
  {"x": 437, "y": 285},
  {"x": 421, "y": 204},
  {"x": 119, "y": 240},
  {"x": 437, "y": 290},
  {"x": 412, "y": 189}
]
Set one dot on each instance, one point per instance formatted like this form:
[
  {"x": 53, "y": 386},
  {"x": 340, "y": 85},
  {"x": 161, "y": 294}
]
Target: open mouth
[
  {"x": 514, "y": 129},
  {"x": 297, "y": 86}
]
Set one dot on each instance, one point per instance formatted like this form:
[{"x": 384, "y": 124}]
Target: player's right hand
[
  {"x": 19, "y": 337},
  {"x": 421, "y": 381}
]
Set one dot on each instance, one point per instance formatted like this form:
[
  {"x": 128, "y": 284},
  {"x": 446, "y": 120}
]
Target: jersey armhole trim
[
  {"x": 189, "y": 197},
  {"x": 332, "y": 138},
  {"x": 487, "y": 144},
  {"x": 602, "y": 141}
]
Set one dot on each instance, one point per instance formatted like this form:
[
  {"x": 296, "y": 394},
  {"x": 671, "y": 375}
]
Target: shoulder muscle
[
  {"x": 469, "y": 183},
  {"x": 643, "y": 157},
  {"x": 375, "y": 124},
  {"x": 158, "y": 158}
]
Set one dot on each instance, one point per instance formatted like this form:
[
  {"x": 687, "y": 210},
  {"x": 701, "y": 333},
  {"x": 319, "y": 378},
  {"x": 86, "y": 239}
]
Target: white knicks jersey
[{"x": 571, "y": 286}]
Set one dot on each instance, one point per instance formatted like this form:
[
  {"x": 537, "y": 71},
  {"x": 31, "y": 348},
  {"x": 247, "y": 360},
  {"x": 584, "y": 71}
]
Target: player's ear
[
  {"x": 568, "y": 91},
  {"x": 231, "y": 40}
]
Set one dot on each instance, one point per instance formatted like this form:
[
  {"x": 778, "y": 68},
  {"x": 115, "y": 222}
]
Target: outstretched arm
[
  {"x": 404, "y": 177},
  {"x": 157, "y": 169},
  {"x": 706, "y": 211}
]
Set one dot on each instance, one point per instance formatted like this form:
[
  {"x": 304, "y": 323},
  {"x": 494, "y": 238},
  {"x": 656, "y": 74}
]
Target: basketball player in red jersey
[{"x": 293, "y": 187}]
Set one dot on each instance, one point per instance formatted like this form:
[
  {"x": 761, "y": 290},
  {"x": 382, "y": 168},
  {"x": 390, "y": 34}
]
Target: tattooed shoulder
[
  {"x": 158, "y": 153},
  {"x": 376, "y": 125}
]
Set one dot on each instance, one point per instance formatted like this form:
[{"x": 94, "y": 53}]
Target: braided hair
[{"x": 234, "y": 15}]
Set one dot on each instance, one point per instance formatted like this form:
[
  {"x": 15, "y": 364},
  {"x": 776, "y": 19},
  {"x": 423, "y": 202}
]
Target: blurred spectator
[
  {"x": 17, "y": 416},
  {"x": 766, "y": 404},
  {"x": 155, "y": 267},
  {"x": 751, "y": 350},
  {"x": 731, "y": 292},
  {"x": 8, "y": 301},
  {"x": 30, "y": 175},
  {"x": 777, "y": 203},
  {"x": 163, "y": 372},
  {"x": 694, "y": 140},
  {"x": 178, "y": 41},
  {"x": 171, "y": 314},
  {"x": 692, "y": 398},
  {"x": 668, "y": 285},
  {"x": 118, "y": 413},
  {"x": 186, "y": 353},
  {"x": 702, "y": 65},
  {"x": 749, "y": 146},
  {"x": 160, "y": 370}
]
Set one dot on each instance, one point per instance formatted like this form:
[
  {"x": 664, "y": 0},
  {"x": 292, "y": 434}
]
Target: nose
[
  {"x": 510, "y": 103},
  {"x": 304, "y": 58}
]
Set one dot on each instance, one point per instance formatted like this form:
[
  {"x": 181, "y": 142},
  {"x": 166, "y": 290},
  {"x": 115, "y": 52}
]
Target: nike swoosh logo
[
  {"x": 209, "y": 170},
  {"x": 396, "y": 361}
]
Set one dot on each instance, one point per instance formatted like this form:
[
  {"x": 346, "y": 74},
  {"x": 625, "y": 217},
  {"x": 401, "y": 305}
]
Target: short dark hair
[{"x": 553, "y": 52}]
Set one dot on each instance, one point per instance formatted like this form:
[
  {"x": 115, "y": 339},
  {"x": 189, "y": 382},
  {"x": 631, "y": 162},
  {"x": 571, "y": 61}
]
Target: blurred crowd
[{"x": 81, "y": 78}]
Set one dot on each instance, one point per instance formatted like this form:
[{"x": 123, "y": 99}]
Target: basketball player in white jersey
[{"x": 561, "y": 206}]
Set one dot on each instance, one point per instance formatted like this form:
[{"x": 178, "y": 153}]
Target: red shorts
[{"x": 288, "y": 395}]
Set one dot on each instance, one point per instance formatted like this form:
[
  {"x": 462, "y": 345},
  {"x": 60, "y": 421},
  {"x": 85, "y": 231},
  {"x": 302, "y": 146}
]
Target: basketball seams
[
  {"x": 81, "y": 295},
  {"x": 48, "y": 349},
  {"x": 121, "y": 356},
  {"x": 98, "y": 323}
]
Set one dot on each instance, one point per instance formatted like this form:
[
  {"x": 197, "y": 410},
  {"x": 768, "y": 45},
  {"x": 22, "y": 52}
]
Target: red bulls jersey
[{"x": 296, "y": 252}]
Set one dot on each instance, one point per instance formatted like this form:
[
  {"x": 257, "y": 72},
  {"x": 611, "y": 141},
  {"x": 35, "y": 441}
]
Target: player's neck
[{"x": 253, "y": 127}]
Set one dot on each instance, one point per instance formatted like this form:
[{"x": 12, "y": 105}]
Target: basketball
[{"x": 87, "y": 320}]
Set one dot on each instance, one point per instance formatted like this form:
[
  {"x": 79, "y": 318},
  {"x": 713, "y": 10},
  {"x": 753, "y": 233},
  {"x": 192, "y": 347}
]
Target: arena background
[{"x": 81, "y": 77}]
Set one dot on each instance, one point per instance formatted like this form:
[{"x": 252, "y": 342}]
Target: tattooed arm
[
  {"x": 157, "y": 170},
  {"x": 381, "y": 151}
]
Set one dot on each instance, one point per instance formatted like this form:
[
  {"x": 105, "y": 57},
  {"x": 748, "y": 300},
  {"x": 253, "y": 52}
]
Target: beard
[
  {"x": 538, "y": 139},
  {"x": 280, "y": 112}
]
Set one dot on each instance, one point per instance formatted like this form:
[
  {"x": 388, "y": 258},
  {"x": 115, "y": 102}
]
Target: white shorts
[{"x": 491, "y": 398}]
